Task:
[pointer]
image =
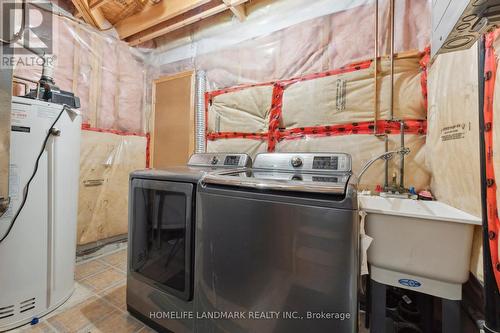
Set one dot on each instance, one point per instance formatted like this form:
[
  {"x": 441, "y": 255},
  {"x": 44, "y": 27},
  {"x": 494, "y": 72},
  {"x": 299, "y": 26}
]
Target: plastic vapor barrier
[
  {"x": 349, "y": 97},
  {"x": 109, "y": 78},
  {"x": 281, "y": 39},
  {"x": 104, "y": 72},
  {"x": 296, "y": 72},
  {"x": 250, "y": 146},
  {"x": 241, "y": 111},
  {"x": 311, "y": 64},
  {"x": 329, "y": 111},
  {"x": 363, "y": 147},
  {"x": 107, "y": 159}
]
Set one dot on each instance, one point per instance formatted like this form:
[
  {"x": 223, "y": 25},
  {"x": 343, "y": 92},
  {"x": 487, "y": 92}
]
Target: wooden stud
[
  {"x": 76, "y": 61},
  {"x": 154, "y": 15},
  {"x": 95, "y": 84}
]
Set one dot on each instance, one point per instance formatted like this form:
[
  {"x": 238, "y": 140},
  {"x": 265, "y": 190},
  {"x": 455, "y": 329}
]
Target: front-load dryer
[{"x": 162, "y": 215}]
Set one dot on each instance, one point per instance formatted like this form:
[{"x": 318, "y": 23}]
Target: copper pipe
[
  {"x": 17, "y": 77},
  {"x": 375, "y": 74},
  {"x": 15, "y": 81},
  {"x": 402, "y": 158},
  {"x": 386, "y": 164},
  {"x": 392, "y": 58}
]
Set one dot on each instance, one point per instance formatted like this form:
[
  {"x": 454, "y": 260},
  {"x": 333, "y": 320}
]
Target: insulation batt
[
  {"x": 330, "y": 100},
  {"x": 241, "y": 111},
  {"x": 106, "y": 162},
  {"x": 452, "y": 152},
  {"x": 249, "y": 146},
  {"x": 364, "y": 147},
  {"x": 349, "y": 97}
]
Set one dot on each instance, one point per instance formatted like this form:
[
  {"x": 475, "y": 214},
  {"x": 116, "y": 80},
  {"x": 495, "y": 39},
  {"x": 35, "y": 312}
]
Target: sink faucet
[{"x": 384, "y": 156}]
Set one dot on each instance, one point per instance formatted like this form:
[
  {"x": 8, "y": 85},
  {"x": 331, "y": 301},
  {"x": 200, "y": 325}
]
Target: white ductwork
[
  {"x": 201, "y": 87},
  {"x": 458, "y": 24}
]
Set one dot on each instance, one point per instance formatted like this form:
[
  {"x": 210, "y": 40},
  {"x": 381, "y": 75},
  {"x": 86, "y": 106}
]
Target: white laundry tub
[{"x": 419, "y": 245}]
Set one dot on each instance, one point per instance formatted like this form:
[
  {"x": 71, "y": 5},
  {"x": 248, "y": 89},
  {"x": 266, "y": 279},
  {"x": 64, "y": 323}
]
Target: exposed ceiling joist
[
  {"x": 97, "y": 3},
  {"x": 154, "y": 15},
  {"x": 92, "y": 16},
  {"x": 238, "y": 10},
  {"x": 153, "y": 20},
  {"x": 208, "y": 9}
]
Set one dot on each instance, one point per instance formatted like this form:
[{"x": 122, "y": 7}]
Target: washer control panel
[
  {"x": 305, "y": 162},
  {"x": 220, "y": 160}
]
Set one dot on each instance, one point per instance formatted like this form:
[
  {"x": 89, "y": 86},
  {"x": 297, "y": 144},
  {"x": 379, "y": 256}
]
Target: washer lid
[{"x": 328, "y": 183}]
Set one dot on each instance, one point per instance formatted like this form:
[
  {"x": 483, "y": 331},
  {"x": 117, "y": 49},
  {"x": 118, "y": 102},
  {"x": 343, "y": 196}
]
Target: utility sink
[{"x": 419, "y": 245}]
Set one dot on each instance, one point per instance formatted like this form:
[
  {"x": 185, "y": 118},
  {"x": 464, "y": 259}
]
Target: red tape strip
[
  {"x": 237, "y": 135},
  {"x": 275, "y": 117},
  {"x": 418, "y": 127},
  {"x": 148, "y": 150},
  {"x": 383, "y": 126},
  {"x": 86, "y": 127},
  {"x": 424, "y": 62},
  {"x": 491, "y": 193}
]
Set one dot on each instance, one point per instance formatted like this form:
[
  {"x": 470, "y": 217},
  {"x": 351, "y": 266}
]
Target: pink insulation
[
  {"x": 99, "y": 69},
  {"x": 130, "y": 92},
  {"x": 318, "y": 45}
]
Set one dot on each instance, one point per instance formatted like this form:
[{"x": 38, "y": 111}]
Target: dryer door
[{"x": 161, "y": 235}]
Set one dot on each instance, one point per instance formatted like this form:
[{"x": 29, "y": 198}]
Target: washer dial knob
[
  {"x": 215, "y": 160},
  {"x": 296, "y": 162}
]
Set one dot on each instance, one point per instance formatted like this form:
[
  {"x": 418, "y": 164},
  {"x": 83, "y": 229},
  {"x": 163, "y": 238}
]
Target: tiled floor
[{"x": 98, "y": 302}]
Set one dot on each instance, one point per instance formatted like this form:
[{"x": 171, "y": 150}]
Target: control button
[
  {"x": 296, "y": 162},
  {"x": 297, "y": 178},
  {"x": 215, "y": 160}
]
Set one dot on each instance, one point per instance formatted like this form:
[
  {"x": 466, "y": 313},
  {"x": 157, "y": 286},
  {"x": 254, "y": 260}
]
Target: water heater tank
[{"x": 37, "y": 258}]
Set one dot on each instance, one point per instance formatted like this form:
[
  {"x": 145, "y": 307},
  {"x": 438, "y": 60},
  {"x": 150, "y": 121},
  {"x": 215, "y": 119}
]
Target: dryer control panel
[
  {"x": 220, "y": 160},
  {"x": 305, "y": 162}
]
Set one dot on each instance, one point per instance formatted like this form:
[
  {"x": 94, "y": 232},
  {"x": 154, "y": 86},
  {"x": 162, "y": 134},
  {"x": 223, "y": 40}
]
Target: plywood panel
[{"x": 173, "y": 123}]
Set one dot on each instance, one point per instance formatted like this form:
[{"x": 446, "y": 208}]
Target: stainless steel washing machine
[
  {"x": 161, "y": 240},
  {"x": 277, "y": 247}
]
